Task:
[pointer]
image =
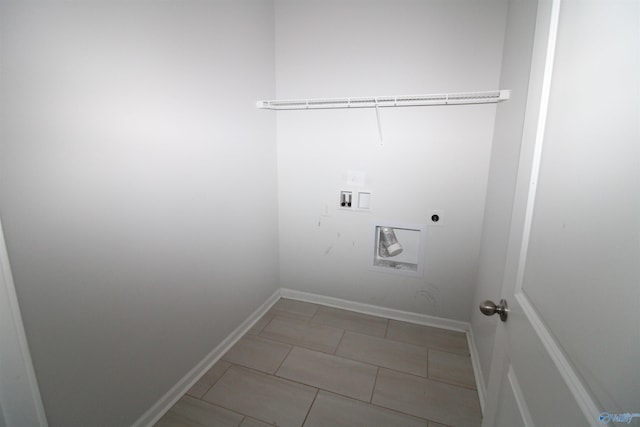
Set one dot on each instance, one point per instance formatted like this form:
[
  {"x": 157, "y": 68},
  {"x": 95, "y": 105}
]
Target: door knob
[{"x": 489, "y": 308}]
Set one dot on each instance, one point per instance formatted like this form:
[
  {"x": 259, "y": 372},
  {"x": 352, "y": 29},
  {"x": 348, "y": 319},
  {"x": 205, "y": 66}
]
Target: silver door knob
[{"x": 489, "y": 308}]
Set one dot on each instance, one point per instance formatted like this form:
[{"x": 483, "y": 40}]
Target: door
[
  {"x": 568, "y": 353},
  {"x": 20, "y": 403}
]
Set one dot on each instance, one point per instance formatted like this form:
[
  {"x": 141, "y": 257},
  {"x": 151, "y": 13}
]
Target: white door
[
  {"x": 20, "y": 403},
  {"x": 569, "y": 351}
]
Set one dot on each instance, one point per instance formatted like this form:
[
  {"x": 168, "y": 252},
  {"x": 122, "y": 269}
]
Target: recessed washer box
[{"x": 412, "y": 238}]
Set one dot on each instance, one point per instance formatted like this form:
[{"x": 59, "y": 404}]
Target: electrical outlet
[{"x": 436, "y": 218}]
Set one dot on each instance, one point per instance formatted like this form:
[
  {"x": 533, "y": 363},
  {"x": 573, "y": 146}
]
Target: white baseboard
[
  {"x": 406, "y": 316},
  {"x": 181, "y": 387},
  {"x": 374, "y": 310},
  {"x": 477, "y": 371},
  {"x": 156, "y": 412}
]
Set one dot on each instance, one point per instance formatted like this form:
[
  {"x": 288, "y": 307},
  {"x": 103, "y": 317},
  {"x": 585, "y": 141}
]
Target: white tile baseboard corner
[{"x": 153, "y": 414}]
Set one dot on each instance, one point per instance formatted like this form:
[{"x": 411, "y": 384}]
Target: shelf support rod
[{"x": 379, "y": 125}]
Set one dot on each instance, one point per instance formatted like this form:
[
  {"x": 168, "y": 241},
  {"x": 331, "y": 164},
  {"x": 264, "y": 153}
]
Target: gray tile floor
[{"x": 309, "y": 365}]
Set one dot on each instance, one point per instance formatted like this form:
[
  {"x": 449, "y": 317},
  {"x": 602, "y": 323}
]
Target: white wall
[
  {"x": 137, "y": 184},
  {"x": 505, "y": 152},
  {"x": 432, "y": 158}
]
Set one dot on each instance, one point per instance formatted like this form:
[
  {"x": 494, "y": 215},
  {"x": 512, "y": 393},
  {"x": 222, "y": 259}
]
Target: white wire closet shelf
[{"x": 455, "y": 98}]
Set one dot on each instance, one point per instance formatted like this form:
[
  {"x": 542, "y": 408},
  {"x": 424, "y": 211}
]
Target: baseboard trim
[
  {"x": 151, "y": 416},
  {"x": 374, "y": 310},
  {"x": 156, "y": 412},
  {"x": 477, "y": 371}
]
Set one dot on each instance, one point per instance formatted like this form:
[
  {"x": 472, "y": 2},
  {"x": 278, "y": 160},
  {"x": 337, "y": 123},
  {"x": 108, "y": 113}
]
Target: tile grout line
[
  {"x": 335, "y": 351},
  {"x": 235, "y": 411},
  {"x": 429, "y": 347},
  {"x": 310, "y": 406},
  {"x": 269, "y": 319},
  {"x": 282, "y": 362},
  {"x": 423, "y": 378},
  {"x": 212, "y": 384},
  {"x": 309, "y": 321},
  {"x": 375, "y": 381},
  {"x": 269, "y": 375},
  {"x": 427, "y": 373},
  {"x": 376, "y": 405},
  {"x": 265, "y": 326},
  {"x": 337, "y": 393},
  {"x": 444, "y": 381},
  {"x": 366, "y": 362}
]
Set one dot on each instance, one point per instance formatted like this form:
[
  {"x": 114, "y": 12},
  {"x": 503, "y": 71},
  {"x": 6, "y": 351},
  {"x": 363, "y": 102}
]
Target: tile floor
[{"x": 309, "y": 365}]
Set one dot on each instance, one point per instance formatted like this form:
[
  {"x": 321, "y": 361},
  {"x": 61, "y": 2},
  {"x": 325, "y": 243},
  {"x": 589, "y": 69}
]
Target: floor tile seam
[
  {"x": 340, "y": 357},
  {"x": 428, "y": 420},
  {"x": 310, "y": 406},
  {"x": 324, "y": 389},
  {"x": 408, "y": 373},
  {"x": 283, "y": 359},
  {"x": 375, "y": 382},
  {"x": 380, "y": 366},
  {"x": 377, "y": 405},
  {"x": 431, "y": 379},
  {"x": 429, "y": 347},
  {"x": 303, "y": 346},
  {"x": 302, "y": 321},
  {"x": 276, "y": 376},
  {"x": 396, "y": 411},
  {"x": 275, "y": 339},
  {"x": 363, "y": 312},
  {"x": 366, "y": 362},
  {"x": 235, "y": 411},
  {"x": 254, "y": 416},
  {"x": 405, "y": 342},
  {"x": 294, "y": 313},
  {"x": 386, "y": 329},
  {"x": 265, "y": 326},
  {"x": 448, "y": 351},
  {"x": 345, "y": 328},
  {"x": 252, "y": 332},
  {"x": 240, "y": 365},
  {"x": 381, "y": 405},
  {"x": 344, "y": 332},
  {"x": 269, "y": 340},
  {"x": 212, "y": 384},
  {"x": 427, "y": 372},
  {"x": 357, "y": 314},
  {"x": 417, "y": 346},
  {"x": 450, "y": 382},
  {"x": 354, "y": 316},
  {"x": 289, "y": 316}
]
